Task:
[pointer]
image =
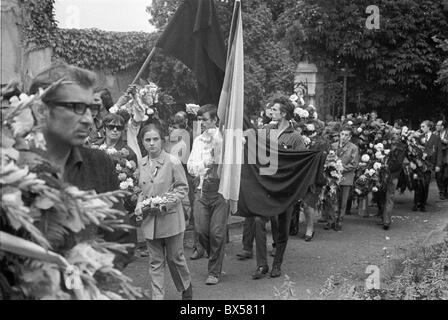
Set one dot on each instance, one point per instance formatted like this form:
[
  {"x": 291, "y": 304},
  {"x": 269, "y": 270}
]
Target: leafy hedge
[
  {"x": 103, "y": 50},
  {"x": 87, "y": 48}
]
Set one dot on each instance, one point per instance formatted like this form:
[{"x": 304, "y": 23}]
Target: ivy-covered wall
[
  {"x": 102, "y": 50},
  {"x": 115, "y": 56}
]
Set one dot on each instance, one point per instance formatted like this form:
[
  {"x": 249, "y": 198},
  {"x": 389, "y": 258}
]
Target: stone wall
[{"x": 18, "y": 62}]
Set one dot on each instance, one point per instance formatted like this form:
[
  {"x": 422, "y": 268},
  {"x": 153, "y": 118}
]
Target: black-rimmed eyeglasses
[{"x": 77, "y": 107}]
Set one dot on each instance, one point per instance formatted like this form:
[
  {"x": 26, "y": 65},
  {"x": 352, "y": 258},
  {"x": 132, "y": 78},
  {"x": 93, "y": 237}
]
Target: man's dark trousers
[{"x": 422, "y": 190}]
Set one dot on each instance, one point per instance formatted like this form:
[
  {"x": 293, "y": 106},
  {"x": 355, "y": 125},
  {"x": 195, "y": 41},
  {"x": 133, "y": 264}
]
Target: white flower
[
  {"x": 339, "y": 166},
  {"x": 118, "y": 167},
  {"x": 379, "y": 147},
  {"x": 365, "y": 158},
  {"x": 124, "y": 185},
  {"x": 128, "y": 164},
  {"x": 350, "y": 123},
  {"x": 413, "y": 166},
  {"x": 130, "y": 182},
  {"x": 372, "y": 172},
  {"x": 415, "y": 176},
  {"x": 379, "y": 155},
  {"x": 376, "y": 165},
  {"x": 113, "y": 109},
  {"x": 359, "y": 129},
  {"x": 192, "y": 108},
  {"x": 103, "y": 147},
  {"x": 358, "y": 191},
  {"x": 306, "y": 140},
  {"x": 387, "y": 151},
  {"x": 294, "y": 98},
  {"x": 111, "y": 151},
  {"x": 370, "y": 145},
  {"x": 404, "y": 130},
  {"x": 302, "y": 113},
  {"x": 150, "y": 111},
  {"x": 374, "y": 189},
  {"x": 334, "y": 173}
]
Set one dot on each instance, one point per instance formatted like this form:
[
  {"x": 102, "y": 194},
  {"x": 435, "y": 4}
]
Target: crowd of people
[{"x": 172, "y": 189}]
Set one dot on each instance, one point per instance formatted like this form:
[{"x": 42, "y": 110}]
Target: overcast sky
[{"x": 110, "y": 15}]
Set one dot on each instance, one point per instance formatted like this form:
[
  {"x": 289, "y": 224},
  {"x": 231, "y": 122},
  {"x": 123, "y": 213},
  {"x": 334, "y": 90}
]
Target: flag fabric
[
  {"x": 194, "y": 37},
  {"x": 231, "y": 112},
  {"x": 295, "y": 173}
]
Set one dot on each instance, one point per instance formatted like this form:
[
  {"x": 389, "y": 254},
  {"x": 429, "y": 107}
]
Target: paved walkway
[{"x": 309, "y": 264}]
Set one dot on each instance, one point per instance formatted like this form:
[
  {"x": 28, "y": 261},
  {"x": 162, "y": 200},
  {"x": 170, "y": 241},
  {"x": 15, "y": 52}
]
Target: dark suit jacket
[
  {"x": 443, "y": 148},
  {"x": 433, "y": 150}
]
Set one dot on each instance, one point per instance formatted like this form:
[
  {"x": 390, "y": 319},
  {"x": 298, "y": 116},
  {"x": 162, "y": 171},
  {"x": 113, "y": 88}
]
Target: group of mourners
[{"x": 79, "y": 118}]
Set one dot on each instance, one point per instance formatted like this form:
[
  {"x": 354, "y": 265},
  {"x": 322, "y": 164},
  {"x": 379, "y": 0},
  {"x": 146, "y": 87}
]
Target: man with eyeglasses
[{"x": 70, "y": 110}]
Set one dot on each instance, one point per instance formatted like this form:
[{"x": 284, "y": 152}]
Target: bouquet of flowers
[
  {"x": 153, "y": 206},
  {"x": 417, "y": 162},
  {"x": 39, "y": 213},
  {"x": 192, "y": 108},
  {"x": 373, "y": 172},
  {"x": 145, "y": 96},
  {"x": 333, "y": 173},
  {"x": 126, "y": 170}
]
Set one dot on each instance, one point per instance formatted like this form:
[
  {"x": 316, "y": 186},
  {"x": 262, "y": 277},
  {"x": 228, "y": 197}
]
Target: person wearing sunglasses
[
  {"x": 113, "y": 126},
  {"x": 69, "y": 110},
  {"x": 102, "y": 97}
]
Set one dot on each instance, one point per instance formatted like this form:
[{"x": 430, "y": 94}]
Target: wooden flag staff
[{"x": 144, "y": 66}]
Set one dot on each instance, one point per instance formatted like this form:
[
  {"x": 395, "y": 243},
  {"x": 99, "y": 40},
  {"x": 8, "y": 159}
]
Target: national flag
[
  {"x": 231, "y": 112},
  {"x": 194, "y": 37}
]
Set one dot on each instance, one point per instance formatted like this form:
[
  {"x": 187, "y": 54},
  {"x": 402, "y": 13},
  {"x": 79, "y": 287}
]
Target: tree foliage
[
  {"x": 392, "y": 64},
  {"x": 268, "y": 66}
]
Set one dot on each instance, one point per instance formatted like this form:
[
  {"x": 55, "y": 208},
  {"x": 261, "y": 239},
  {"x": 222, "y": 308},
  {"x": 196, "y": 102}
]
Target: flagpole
[{"x": 145, "y": 64}]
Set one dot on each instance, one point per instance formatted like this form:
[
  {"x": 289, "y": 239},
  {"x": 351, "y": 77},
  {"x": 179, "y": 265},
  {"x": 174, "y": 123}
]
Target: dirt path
[{"x": 309, "y": 264}]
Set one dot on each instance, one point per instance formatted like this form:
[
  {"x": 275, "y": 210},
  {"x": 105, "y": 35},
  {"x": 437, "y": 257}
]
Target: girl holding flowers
[{"x": 164, "y": 185}]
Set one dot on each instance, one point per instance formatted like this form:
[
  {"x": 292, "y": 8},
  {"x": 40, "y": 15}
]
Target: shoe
[
  {"x": 386, "y": 227},
  {"x": 293, "y": 231},
  {"x": 423, "y": 209},
  {"x": 188, "y": 293},
  {"x": 276, "y": 271},
  {"x": 260, "y": 272},
  {"x": 212, "y": 280},
  {"x": 415, "y": 208},
  {"x": 337, "y": 227},
  {"x": 309, "y": 238},
  {"x": 196, "y": 255},
  {"x": 272, "y": 253},
  {"x": 244, "y": 254}
]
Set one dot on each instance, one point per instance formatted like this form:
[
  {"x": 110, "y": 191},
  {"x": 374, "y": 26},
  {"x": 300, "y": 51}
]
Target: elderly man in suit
[
  {"x": 432, "y": 154},
  {"x": 349, "y": 155},
  {"x": 442, "y": 171}
]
